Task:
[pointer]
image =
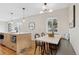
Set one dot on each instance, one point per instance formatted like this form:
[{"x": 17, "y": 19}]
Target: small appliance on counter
[
  {"x": 1, "y": 37},
  {"x": 13, "y": 38}
]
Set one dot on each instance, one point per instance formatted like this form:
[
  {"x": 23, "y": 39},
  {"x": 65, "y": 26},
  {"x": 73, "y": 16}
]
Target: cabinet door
[
  {"x": 23, "y": 42},
  {"x": 8, "y": 43}
]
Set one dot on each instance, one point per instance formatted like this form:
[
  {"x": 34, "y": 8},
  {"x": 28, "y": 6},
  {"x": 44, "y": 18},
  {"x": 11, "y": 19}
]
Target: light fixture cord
[{"x": 12, "y": 16}]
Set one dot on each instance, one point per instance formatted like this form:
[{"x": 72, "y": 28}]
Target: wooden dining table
[{"x": 49, "y": 40}]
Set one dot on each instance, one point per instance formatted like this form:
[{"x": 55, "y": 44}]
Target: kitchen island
[{"x": 17, "y": 41}]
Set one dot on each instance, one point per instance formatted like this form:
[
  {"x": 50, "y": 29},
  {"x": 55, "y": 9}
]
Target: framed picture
[{"x": 72, "y": 22}]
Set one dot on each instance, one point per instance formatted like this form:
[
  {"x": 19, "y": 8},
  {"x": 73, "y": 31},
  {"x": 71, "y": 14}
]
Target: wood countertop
[{"x": 13, "y": 33}]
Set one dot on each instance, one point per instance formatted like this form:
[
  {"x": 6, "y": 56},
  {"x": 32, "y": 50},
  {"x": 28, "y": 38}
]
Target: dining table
[{"x": 49, "y": 40}]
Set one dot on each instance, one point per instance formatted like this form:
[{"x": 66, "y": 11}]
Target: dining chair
[
  {"x": 53, "y": 48},
  {"x": 43, "y": 43},
  {"x": 42, "y": 34},
  {"x": 37, "y": 43}
]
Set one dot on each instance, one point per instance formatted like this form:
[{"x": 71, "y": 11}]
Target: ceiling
[{"x": 31, "y": 9}]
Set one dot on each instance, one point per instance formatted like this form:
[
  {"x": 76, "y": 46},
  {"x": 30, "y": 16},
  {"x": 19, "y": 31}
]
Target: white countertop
[
  {"x": 53, "y": 40},
  {"x": 15, "y": 33}
]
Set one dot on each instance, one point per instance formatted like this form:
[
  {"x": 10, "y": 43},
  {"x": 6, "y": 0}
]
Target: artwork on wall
[{"x": 72, "y": 22}]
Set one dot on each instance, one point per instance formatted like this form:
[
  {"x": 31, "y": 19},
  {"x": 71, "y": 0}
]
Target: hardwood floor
[
  {"x": 6, "y": 51},
  {"x": 30, "y": 51},
  {"x": 64, "y": 49}
]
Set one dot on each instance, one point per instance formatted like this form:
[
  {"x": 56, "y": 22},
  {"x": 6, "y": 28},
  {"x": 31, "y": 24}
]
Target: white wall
[
  {"x": 3, "y": 26},
  {"x": 40, "y": 21},
  {"x": 74, "y": 32}
]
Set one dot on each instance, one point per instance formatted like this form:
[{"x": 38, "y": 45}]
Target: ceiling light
[
  {"x": 23, "y": 19},
  {"x": 11, "y": 18},
  {"x": 41, "y": 12},
  {"x": 45, "y": 9}
]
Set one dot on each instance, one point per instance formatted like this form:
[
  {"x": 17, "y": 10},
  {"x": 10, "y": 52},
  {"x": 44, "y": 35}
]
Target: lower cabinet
[
  {"x": 23, "y": 42},
  {"x": 8, "y": 42}
]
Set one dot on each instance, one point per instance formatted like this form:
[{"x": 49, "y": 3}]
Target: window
[{"x": 52, "y": 25}]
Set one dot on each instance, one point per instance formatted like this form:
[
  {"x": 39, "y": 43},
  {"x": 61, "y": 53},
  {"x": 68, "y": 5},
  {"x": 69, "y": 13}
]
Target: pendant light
[
  {"x": 45, "y": 9},
  {"x": 23, "y": 18},
  {"x": 11, "y": 17}
]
